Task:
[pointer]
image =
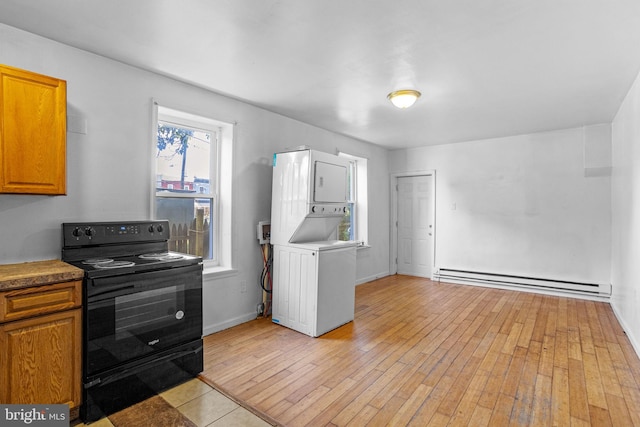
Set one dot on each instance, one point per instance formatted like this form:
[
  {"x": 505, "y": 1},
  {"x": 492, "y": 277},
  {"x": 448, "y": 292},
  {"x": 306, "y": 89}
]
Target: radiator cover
[{"x": 475, "y": 277}]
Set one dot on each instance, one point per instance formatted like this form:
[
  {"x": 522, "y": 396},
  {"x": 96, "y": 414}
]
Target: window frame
[
  {"x": 223, "y": 134},
  {"x": 358, "y": 197}
]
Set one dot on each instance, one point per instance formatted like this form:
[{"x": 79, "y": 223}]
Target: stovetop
[
  {"x": 105, "y": 249},
  {"x": 118, "y": 265}
]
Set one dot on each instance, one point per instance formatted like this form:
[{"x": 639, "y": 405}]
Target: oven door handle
[
  {"x": 125, "y": 372},
  {"x": 95, "y": 296}
]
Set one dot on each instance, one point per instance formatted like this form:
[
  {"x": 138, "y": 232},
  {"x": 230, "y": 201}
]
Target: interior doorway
[{"x": 413, "y": 224}]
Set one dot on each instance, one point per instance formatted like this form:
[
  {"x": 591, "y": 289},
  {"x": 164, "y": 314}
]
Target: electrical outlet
[
  {"x": 243, "y": 286},
  {"x": 260, "y": 309},
  {"x": 264, "y": 232}
]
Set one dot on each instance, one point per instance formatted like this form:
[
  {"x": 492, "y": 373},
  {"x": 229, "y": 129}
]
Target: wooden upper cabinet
[{"x": 33, "y": 132}]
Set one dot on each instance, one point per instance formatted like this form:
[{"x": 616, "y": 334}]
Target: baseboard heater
[{"x": 474, "y": 277}]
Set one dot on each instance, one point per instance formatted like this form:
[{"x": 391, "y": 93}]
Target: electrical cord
[
  {"x": 265, "y": 276},
  {"x": 266, "y": 281}
]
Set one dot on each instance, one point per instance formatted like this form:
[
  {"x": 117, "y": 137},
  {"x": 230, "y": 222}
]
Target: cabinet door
[
  {"x": 33, "y": 133},
  {"x": 40, "y": 359},
  {"x": 295, "y": 289}
]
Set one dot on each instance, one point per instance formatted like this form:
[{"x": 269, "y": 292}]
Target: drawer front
[{"x": 28, "y": 302}]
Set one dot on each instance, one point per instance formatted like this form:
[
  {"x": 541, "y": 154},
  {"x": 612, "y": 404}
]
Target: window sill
[
  {"x": 363, "y": 247},
  {"x": 218, "y": 272}
]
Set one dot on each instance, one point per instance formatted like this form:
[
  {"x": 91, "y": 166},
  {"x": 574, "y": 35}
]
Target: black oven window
[{"x": 143, "y": 311}]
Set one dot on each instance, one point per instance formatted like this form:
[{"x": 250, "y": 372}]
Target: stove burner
[
  {"x": 161, "y": 256},
  {"x": 93, "y": 261},
  {"x": 114, "y": 264}
]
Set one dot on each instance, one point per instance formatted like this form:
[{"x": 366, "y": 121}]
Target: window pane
[
  {"x": 183, "y": 159},
  {"x": 352, "y": 182},
  {"x": 190, "y": 223},
  {"x": 183, "y": 166},
  {"x": 346, "y": 227}
]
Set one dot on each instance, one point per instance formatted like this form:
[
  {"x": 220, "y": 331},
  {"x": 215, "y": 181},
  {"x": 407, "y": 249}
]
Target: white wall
[
  {"x": 625, "y": 270},
  {"x": 519, "y": 205},
  {"x": 109, "y": 167}
]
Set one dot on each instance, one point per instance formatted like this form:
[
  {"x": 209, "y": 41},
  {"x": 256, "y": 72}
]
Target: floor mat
[{"x": 154, "y": 411}]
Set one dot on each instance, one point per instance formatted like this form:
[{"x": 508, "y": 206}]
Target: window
[
  {"x": 189, "y": 160},
  {"x": 354, "y": 225}
]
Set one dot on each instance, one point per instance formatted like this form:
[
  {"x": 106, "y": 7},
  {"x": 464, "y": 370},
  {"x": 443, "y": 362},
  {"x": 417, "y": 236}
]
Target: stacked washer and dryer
[{"x": 313, "y": 273}]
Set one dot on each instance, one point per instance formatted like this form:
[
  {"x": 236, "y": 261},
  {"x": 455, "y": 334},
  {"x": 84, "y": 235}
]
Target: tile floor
[{"x": 204, "y": 406}]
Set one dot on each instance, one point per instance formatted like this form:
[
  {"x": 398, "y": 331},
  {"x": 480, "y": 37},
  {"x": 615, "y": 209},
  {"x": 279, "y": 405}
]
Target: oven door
[{"x": 131, "y": 316}]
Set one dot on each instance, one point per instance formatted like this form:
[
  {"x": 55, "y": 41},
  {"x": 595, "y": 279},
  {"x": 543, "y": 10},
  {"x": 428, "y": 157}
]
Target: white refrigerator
[{"x": 313, "y": 274}]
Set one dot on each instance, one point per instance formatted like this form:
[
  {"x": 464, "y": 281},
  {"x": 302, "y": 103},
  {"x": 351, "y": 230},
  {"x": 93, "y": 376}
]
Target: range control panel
[{"x": 99, "y": 233}]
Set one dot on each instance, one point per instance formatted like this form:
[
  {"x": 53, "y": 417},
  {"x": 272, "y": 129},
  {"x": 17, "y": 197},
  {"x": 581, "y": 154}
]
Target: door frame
[{"x": 393, "y": 253}]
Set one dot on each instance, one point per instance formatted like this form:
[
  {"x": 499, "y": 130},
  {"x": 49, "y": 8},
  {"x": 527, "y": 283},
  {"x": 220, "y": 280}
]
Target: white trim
[
  {"x": 371, "y": 278},
  {"x": 184, "y": 195},
  {"x": 361, "y": 187},
  {"x": 544, "y": 284},
  {"x": 228, "y": 197},
  {"x": 223, "y": 165},
  {"x": 217, "y": 272},
  {"x": 393, "y": 226},
  {"x": 519, "y": 288},
  {"x": 625, "y": 327},
  {"x": 153, "y": 143}
]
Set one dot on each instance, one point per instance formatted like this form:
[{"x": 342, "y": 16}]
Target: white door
[{"x": 415, "y": 225}]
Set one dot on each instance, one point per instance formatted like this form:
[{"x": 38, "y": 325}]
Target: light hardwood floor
[{"x": 433, "y": 354}]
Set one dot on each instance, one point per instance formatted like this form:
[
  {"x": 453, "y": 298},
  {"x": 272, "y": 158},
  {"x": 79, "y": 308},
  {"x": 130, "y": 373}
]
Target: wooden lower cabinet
[{"x": 40, "y": 359}]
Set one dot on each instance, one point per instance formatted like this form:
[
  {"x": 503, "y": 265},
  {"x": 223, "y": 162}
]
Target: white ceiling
[{"x": 486, "y": 68}]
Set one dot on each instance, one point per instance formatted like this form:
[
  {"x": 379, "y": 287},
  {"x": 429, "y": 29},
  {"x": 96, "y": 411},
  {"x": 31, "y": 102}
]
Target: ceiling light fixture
[{"x": 404, "y": 98}]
